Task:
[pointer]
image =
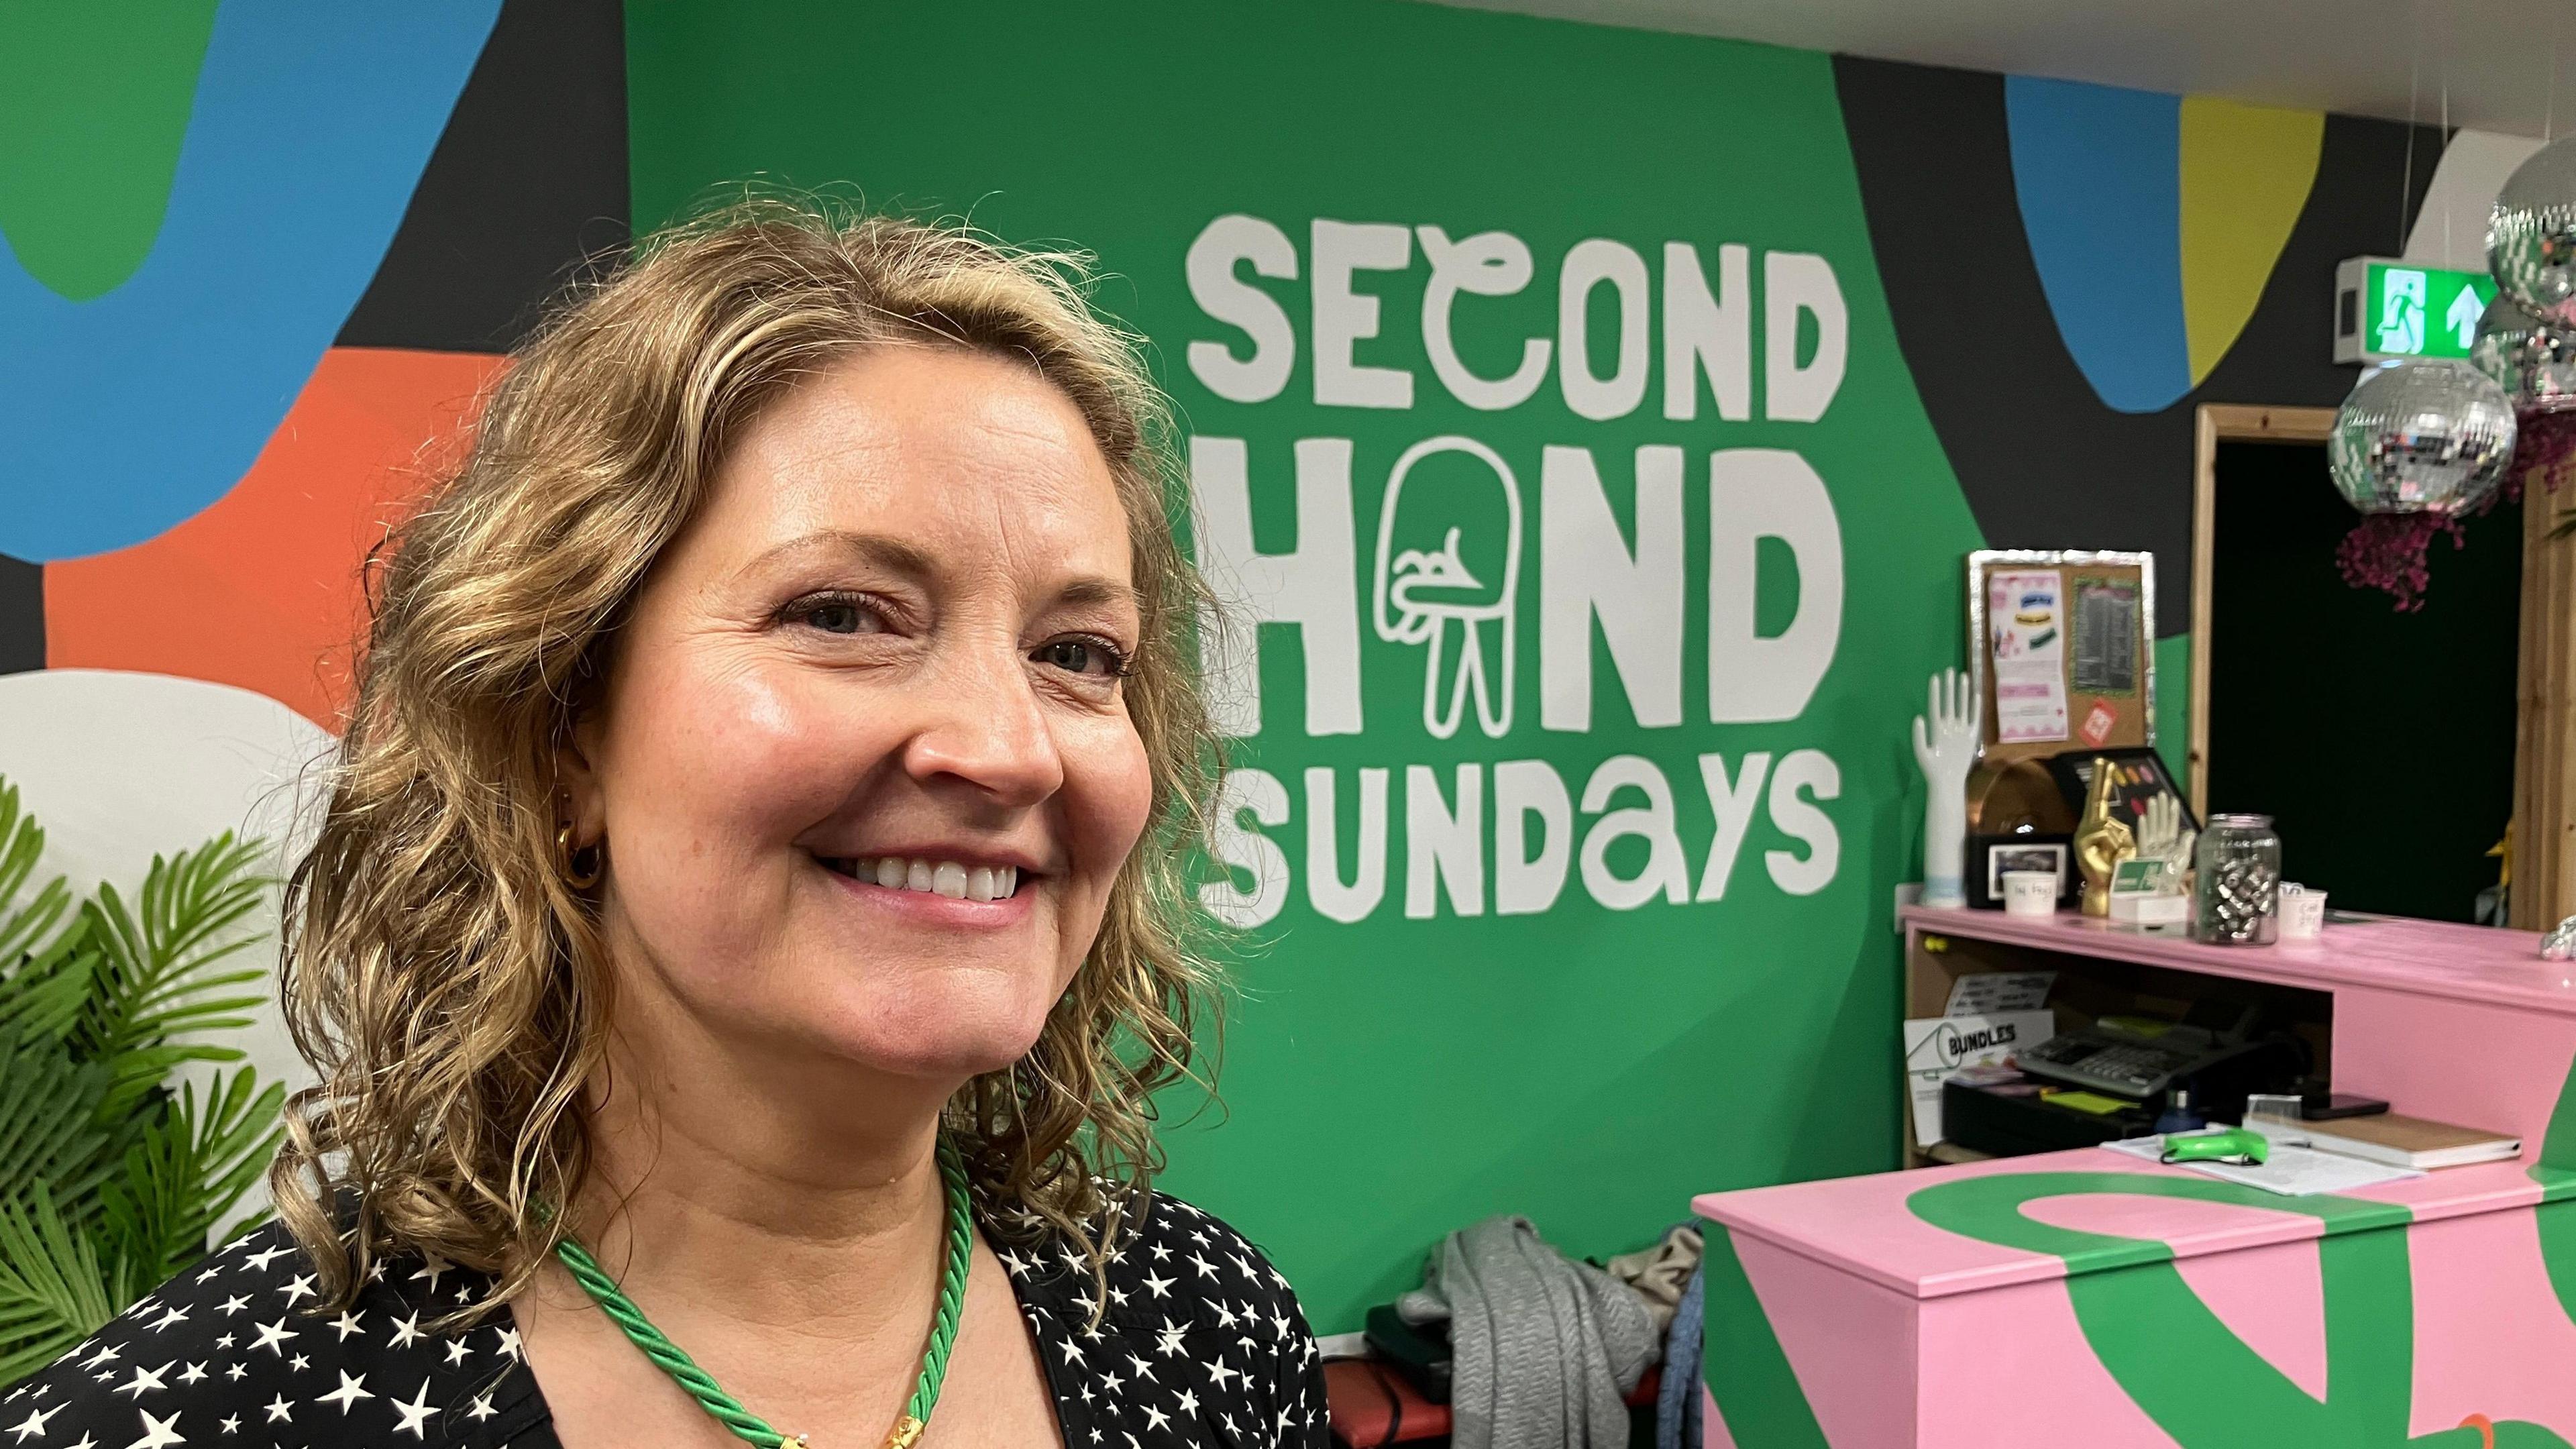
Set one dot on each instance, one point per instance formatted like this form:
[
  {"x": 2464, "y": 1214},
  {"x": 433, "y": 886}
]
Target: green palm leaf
[
  {"x": 46, "y": 996},
  {"x": 54, "y": 1291},
  {"x": 22, "y": 844},
  {"x": 189, "y": 1171},
  {"x": 154, "y": 971},
  {"x": 109, "y": 1181},
  {"x": 49, "y": 1124}
]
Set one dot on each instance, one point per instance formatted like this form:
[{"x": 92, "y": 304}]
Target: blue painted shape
[
  {"x": 128, "y": 413},
  {"x": 2099, "y": 173}
]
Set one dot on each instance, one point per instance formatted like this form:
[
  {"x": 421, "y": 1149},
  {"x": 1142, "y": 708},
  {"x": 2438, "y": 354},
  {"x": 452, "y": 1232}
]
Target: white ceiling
[{"x": 2360, "y": 57}]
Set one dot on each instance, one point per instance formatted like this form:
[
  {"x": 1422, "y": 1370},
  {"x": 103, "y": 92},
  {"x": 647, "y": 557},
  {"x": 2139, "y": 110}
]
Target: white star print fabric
[{"x": 1202, "y": 1343}]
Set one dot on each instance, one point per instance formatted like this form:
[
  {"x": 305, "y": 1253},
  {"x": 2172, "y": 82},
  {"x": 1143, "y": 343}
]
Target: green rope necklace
[{"x": 728, "y": 1410}]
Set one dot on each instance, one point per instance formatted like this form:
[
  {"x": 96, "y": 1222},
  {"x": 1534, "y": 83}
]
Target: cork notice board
[{"x": 2062, "y": 649}]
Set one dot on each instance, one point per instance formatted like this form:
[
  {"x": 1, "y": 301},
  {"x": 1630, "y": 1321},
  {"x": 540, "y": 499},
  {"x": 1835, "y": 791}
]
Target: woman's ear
[{"x": 577, "y": 755}]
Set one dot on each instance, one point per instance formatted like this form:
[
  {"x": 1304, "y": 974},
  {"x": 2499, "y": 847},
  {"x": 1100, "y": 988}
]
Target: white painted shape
[{"x": 2451, "y": 228}]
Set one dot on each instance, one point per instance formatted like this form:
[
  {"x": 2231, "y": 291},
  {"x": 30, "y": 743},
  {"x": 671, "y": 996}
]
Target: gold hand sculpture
[{"x": 2102, "y": 841}]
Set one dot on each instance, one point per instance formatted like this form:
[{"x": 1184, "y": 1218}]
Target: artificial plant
[{"x": 110, "y": 1180}]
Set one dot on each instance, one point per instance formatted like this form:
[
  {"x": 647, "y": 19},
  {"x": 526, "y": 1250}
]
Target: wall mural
[
  {"x": 1588, "y": 425},
  {"x": 260, "y": 262}
]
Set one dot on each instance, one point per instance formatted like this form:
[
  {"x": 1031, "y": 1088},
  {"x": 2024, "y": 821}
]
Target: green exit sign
[{"x": 2386, "y": 309}]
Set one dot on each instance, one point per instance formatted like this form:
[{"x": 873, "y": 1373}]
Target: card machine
[{"x": 2138, "y": 1057}]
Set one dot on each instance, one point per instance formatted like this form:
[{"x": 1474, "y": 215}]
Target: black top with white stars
[{"x": 1202, "y": 1344}]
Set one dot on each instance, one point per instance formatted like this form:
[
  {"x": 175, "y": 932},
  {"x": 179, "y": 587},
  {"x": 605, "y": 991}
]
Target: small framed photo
[{"x": 1992, "y": 855}]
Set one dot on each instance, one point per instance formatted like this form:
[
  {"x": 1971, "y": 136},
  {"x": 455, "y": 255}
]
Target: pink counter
[{"x": 2092, "y": 1299}]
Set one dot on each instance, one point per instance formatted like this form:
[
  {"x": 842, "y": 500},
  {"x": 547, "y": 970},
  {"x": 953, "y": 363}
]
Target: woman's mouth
[{"x": 957, "y": 880}]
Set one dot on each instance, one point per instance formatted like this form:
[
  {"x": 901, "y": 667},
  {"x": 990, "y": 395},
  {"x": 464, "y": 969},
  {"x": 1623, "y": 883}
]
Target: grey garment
[{"x": 1543, "y": 1349}]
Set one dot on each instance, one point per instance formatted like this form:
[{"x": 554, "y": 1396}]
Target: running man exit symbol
[
  {"x": 2401, "y": 312},
  {"x": 2387, "y": 308}
]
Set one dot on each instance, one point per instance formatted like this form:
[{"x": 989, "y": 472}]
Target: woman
[{"x": 747, "y": 928}]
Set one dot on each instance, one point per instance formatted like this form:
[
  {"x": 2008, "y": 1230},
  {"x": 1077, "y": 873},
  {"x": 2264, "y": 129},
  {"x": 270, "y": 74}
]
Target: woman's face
[{"x": 864, "y": 766}]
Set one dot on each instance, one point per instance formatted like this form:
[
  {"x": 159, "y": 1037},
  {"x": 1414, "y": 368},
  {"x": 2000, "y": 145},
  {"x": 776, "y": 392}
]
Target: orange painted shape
[{"x": 263, "y": 590}]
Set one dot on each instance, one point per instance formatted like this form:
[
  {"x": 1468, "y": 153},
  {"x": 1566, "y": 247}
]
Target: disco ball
[
  {"x": 2421, "y": 437},
  {"x": 2535, "y": 365},
  {"x": 2531, "y": 237}
]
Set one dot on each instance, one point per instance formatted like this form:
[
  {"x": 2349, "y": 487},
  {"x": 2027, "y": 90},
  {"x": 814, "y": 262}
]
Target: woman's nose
[{"x": 985, "y": 725}]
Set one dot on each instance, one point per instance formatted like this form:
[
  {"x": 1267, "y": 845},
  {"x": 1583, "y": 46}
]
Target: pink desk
[{"x": 2091, "y": 1299}]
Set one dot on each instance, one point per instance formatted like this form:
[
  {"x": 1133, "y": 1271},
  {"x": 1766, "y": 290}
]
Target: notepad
[
  {"x": 2401, "y": 1141},
  {"x": 2292, "y": 1171},
  {"x": 2083, "y": 1101}
]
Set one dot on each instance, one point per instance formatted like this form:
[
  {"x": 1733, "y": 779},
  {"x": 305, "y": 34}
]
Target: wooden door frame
[
  {"x": 2544, "y": 756},
  {"x": 2218, "y": 423}
]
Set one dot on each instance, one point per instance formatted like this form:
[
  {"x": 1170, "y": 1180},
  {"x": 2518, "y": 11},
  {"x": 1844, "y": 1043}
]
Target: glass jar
[{"x": 2238, "y": 870}]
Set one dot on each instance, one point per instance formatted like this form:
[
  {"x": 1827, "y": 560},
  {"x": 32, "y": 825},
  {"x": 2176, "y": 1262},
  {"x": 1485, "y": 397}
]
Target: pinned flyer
[{"x": 2026, "y": 613}]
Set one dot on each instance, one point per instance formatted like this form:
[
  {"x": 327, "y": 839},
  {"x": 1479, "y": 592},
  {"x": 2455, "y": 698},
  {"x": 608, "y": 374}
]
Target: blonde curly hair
[{"x": 447, "y": 984}]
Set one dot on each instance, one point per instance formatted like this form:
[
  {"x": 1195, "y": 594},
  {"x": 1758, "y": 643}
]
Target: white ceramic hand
[
  {"x": 2161, "y": 836},
  {"x": 1946, "y": 749}
]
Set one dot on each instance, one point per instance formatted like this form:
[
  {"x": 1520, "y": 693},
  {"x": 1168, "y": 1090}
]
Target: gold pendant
[{"x": 906, "y": 1430}]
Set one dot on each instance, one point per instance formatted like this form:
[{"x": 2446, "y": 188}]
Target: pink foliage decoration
[
  {"x": 2385, "y": 551},
  {"x": 2546, "y": 446}
]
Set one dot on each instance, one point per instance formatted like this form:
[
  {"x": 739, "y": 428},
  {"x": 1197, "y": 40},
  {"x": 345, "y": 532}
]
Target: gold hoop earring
[{"x": 568, "y": 860}]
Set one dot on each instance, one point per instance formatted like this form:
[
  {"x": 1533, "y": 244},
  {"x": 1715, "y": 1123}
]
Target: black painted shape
[
  {"x": 2043, "y": 463},
  {"x": 527, "y": 187},
  {"x": 22, "y": 615}
]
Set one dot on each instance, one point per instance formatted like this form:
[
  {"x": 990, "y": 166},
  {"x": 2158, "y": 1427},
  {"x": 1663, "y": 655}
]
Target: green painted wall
[
  {"x": 2173, "y": 706},
  {"x": 1389, "y": 1079}
]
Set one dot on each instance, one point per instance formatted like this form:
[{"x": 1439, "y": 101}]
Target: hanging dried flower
[{"x": 2386, "y": 551}]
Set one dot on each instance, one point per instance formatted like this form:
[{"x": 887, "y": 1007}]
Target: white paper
[
  {"x": 1982, "y": 992},
  {"x": 2026, "y": 615},
  {"x": 2291, "y": 1172},
  {"x": 1936, "y": 1046}
]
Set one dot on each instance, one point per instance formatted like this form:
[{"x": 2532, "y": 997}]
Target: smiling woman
[{"x": 750, "y": 905}]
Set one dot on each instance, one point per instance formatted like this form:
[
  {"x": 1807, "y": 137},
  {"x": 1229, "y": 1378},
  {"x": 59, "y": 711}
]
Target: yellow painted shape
[{"x": 2246, "y": 171}]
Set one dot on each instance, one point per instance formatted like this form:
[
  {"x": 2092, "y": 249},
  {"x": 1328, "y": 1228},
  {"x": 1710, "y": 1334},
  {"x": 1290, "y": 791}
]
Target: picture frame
[
  {"x": 1989, "y": 856},
  {"x": 2062, "y": 649}
]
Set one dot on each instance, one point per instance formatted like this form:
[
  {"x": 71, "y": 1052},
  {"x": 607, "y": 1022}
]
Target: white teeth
[{"x": 948, "y": 878}]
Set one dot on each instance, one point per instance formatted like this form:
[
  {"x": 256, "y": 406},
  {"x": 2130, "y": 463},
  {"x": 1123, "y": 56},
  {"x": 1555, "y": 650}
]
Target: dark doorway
[{"x": 2381, "y": 743}]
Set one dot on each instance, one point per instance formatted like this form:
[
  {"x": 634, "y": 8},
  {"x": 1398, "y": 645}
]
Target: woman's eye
[
  {"x": 1083, "y": 656},
  {"x": 838, "y": 616}
]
